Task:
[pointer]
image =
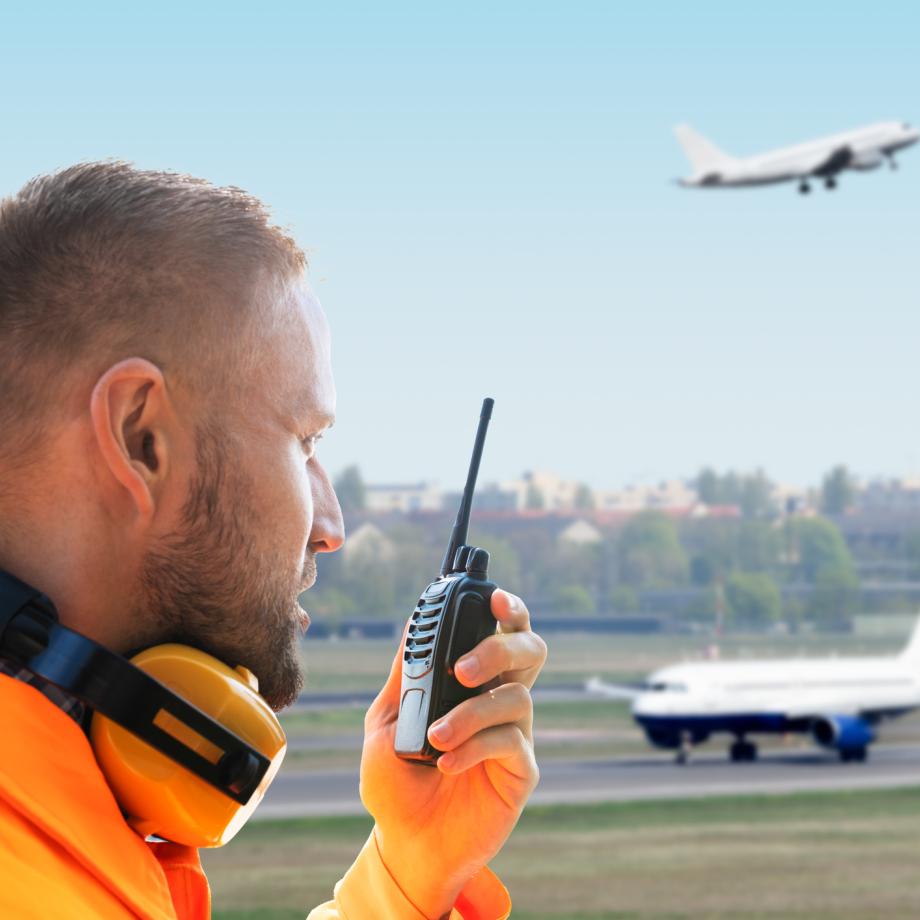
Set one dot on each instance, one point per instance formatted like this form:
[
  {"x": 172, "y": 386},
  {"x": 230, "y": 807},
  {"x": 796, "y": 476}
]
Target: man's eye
[{"x": 309, "y": 444}]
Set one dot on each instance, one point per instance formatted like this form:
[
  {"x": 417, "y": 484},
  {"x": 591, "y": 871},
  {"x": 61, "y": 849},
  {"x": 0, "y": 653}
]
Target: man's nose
[{"x": 328, "y": 532}]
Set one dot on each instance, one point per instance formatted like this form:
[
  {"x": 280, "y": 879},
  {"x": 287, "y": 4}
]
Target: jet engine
[
  {"x": 871, "y": 159},
  {"x": 850, "y": 735},
  {"x": 672, "y": 739}
]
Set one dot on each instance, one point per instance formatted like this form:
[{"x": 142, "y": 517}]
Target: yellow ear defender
[
  {"x": 160, "y": 796},
  {"x": 185, "y": 742}
]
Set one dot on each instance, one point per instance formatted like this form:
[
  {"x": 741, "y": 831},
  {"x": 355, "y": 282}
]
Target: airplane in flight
[
  {"x": 862, "y": 149},
  {"x": 837, "y": 701}
]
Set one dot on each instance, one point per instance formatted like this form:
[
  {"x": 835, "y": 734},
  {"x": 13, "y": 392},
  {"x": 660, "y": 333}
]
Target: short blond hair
[{"x": 102, "y": 261}]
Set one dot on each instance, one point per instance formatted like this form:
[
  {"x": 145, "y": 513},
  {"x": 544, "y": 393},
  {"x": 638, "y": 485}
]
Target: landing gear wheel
[
  {"x": 854, "y": 755},
  {"x": 682, "y": 756},
  {"x": 743, "y": 752},
  {"x": 830, "y": 182},
  {"x": 804, "y": 188},
  {"x": 892, "y": 162}
]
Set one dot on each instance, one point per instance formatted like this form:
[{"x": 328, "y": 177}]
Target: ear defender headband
[{"x": 185, "y": 742}]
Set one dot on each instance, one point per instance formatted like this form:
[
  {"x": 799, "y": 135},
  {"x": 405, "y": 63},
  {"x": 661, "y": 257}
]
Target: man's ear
[{"x": 130, "y": 410}]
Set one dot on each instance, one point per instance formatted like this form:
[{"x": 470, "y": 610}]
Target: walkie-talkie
[{"x": 453, "y": 616}]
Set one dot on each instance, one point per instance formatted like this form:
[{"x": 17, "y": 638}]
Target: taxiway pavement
[{"x": 633, "y": 778}]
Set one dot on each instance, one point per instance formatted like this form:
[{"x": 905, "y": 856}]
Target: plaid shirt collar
[{"x": 61, "y": 698}]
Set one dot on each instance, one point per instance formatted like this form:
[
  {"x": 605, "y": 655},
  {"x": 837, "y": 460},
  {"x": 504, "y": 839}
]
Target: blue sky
[{"x": 484, "y": 193}]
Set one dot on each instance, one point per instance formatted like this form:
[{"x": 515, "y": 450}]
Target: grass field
[
  {"x": 362, "y": 665},
  {"x": 848, "y": 855}
]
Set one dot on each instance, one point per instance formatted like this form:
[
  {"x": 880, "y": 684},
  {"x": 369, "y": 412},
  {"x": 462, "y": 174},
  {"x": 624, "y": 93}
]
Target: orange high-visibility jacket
[{"x": 66, "y": 850}]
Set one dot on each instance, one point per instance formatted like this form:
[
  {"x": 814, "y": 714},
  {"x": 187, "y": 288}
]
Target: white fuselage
[
  {"x": 790, "y": 689},
  {"x": 862, "y": 149}
]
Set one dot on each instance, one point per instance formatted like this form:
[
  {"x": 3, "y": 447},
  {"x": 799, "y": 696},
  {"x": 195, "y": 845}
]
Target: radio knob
[
  {"x": 461, "y": 557},
  {"x": 478, "y": 564}
]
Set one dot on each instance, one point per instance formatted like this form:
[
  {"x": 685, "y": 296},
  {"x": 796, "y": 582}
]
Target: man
[{"x": 165, "y": 379}]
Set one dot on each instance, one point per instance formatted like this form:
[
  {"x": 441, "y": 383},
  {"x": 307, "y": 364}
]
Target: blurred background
[{"x": 703, "y": 443}]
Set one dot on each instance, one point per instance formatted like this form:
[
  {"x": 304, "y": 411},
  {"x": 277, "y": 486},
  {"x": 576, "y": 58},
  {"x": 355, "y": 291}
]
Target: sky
[{"x": 485, "y": 195}]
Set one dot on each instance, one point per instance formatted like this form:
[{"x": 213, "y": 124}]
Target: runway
[{"x": 635, "y": 778}]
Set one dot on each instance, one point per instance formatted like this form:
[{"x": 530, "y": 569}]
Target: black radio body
[{"x": 452, "y": 617}]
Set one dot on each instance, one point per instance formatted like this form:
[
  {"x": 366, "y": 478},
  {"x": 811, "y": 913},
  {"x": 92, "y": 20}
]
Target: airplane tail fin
[
  {"x": 703, "y": 155},
  {"x": 911, "y": 651},
  {"x": 597, "y": 687}
]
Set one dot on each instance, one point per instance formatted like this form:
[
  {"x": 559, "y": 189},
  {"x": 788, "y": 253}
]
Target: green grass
[
  {"x": 853, "y": 855},
  {"x": 315, "y": 722}
]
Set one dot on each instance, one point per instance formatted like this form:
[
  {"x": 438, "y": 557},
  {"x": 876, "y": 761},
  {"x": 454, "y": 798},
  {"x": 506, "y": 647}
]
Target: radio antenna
[{"x": 462, "y": 524}]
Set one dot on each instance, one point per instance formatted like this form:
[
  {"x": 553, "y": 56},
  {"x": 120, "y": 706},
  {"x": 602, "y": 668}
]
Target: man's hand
[{"x": 436, "y": 828}]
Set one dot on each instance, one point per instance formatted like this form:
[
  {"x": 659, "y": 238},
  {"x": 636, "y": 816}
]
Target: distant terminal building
[
  {"x": 543, "y": 492},
  {"x": 898, "y": 496},
  {"x": 490, "y": 497},
  {"x": 418, "y": 496},
  {"x": 672, "y": 494}
]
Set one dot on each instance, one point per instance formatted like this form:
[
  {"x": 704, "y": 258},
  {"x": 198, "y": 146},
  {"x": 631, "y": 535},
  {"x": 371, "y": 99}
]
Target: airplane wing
[
  {"x": 597, "y": 687},
  {"x": 813, "y": 708},
  {"x": 817, "y": 707},
  {"x": 828, "y": 163}
]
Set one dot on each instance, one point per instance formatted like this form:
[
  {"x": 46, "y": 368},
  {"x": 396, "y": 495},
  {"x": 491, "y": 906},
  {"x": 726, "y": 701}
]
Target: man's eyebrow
[
  {"x": 324, "y": 422},
  {"x": 306, "y": 409}
]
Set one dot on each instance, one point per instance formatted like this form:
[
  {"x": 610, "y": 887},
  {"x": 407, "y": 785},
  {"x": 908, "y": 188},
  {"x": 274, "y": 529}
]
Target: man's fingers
[
  {"x": 518, "y": 654},
  {"x": 505, "y": 744},
  {"x": 510, "y": 703},
  {"x": 510, "y": 611}
]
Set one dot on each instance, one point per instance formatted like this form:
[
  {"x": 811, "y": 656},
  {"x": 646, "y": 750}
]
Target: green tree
[
  {"x": 754, "y": 495},
  {"x": 759, "y": 546},
  {"x": 819, "y": 545},
  {"x": 713, "y": 545},
  {"x": 912, "y": 553},
  {"x": 369, "y": 577},
  {"x": 650, "y": 552},
  {"x": 349, "y": 487},
  {"x": 704, "y": 570},
  {"x": 708, "y": 486},
  {"x": 838, "y": 491},
  {"x": 504, "y": 562},
  {"x": 750, "y": 492},
  {"x": 329, "y": 605},
  {"x": 834, "y": 598},
  {"x": 584, "y": 498},
  {"x": 534, "y": 500},
  {"x": 753, "y": 598},
  {"x": 573, "y": 599},
  {"x": 624, "y": 600}
]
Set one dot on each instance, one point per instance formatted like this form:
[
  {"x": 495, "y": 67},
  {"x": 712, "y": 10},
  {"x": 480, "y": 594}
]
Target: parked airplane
[
  {"x": 838, "y": 701},
  {"x": 862, "y": 149}
]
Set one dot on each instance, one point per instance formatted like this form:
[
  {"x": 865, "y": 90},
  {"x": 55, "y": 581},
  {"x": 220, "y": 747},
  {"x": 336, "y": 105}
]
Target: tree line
[{"x": 752, "y": 571}]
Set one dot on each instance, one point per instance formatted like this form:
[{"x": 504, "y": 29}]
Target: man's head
[{"x": 164, "y": 376}]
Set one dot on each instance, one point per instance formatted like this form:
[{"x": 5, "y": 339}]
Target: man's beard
[{"x": 209, "y": 586}]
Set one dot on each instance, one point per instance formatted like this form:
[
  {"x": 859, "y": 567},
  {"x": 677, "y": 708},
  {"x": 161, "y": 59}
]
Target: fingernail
[
  {"x": 446, "y": 761},
  {"x": 441, "y": 730},
  {"x": 469, "y": 666}
]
